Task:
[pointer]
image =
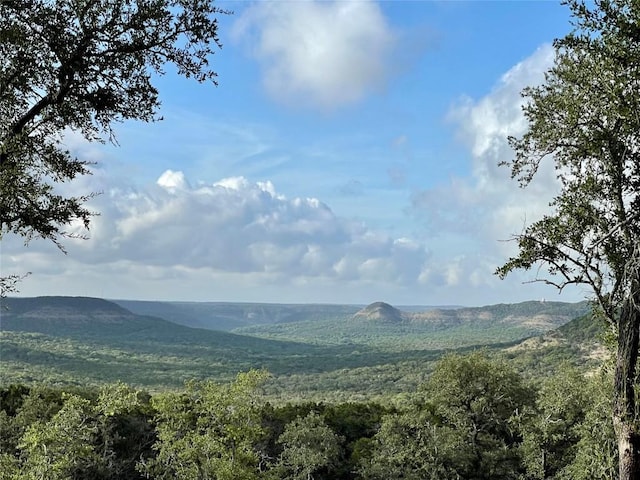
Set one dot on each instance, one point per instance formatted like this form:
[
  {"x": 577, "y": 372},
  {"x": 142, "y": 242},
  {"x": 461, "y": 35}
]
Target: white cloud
[
  {"x": 485, "y": 126},
  {"x": 173, "y": 181},
  {"x": 233, "y": 229},
  {"x": 235, "y": 239},
  {"x": 319, "y": 54},
  {"x": 471, "y": 215},
  {"x": 489, "y": 202}
]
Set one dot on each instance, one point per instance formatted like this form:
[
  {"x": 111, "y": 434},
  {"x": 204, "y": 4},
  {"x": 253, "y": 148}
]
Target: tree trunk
[{"x": 626, "y": 376}]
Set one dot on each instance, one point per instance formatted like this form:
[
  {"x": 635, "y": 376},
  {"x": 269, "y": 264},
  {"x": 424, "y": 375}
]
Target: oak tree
[
  {"x": 82, "y": 66},
  {"x": 585, "y": 118},
  {"x": 210, "y": 431},
  {"x": 309, "y": 445}
]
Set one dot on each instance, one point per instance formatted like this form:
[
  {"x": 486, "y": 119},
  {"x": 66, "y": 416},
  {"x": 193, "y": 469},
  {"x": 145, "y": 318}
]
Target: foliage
[
  {"x": 65, "y": 435},
  {"x": 596, "y": 454},
  {"x": 81, "y": 66},
  {"x": 209, "y": 431},
  {"x": 9, "y": 283},
  {"x": 84, "y": 341},
  {"x": 551, "y": 436},
  {"x": 466, "y": 424},
  {"x": 484, "y": 400},
  {"x": 412, "y": 446},
  {"x": 584, "y": 117},
  {"x": 475, "y": 418},
  {"x": 56, "y": 448},
  {"x": 434, "y": 329},
  {"x": 309, "y": 445}
]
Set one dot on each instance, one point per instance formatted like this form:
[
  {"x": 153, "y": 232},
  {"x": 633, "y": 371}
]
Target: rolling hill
[
  {"x": 367, "y": 352},
  {"x": 72, "y": 340},
  {"x": 380, "y": 324},
  {"x": 380, "y": 312},
  {"x": 227, "y": 316}
]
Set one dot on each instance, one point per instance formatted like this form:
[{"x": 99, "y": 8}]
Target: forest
[
  {"x": 476, "y": 417},
  {"x": 105, "y": 393},
  {"x": 92, "y": 391}
]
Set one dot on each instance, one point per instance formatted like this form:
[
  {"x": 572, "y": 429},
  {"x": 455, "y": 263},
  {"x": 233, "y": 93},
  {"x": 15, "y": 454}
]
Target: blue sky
[{"x": 348, "y": 155}]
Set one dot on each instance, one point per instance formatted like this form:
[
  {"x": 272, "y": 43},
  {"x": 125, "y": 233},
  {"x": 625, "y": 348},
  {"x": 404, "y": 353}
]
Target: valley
[{"x": 325, "y": 353}]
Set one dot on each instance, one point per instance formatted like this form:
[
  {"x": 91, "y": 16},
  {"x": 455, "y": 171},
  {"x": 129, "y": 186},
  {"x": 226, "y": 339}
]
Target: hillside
[
  {"x": 380, "y": 312},
  {"x": 80, "y": 341},
  {"x": 102, "y": 320},
  {"x": 580, "y": 342},
  {"x": 67, "y": 340},
  {"x": 227, "y": 316},
  {"x": 72, "y": 316},
  {"x": 384, "y": 326}
]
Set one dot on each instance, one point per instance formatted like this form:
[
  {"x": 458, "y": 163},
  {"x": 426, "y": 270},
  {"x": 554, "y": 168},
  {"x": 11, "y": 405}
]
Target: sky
[{"x": 349, "y": 154}]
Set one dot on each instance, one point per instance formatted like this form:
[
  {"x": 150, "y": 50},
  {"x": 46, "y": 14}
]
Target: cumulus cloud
[
  {"x": 485, "y": 126},
  {"x": 474, "y": 213},
  {"x": 320, "y": 54},
  {"x": 232, "y": 227},
  {"x": 488, "y": 202}
]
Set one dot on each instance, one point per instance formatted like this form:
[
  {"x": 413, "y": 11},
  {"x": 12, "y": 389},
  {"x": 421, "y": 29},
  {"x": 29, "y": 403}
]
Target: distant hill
[
  {"x": 88, "y": 341},
  {"x": 380, "y": 312},
  {"x": 384, "y": 326},
  {"x": 60, "y": 306},
  {"x": 586, "y": 329},
  {"x": 73, "y": 316},
  {"x": 539, "y": 315},
  {"x": 103, "y": 320},
  {"x": 83, "y": 341},
  {"x": 228, "y": 316}
]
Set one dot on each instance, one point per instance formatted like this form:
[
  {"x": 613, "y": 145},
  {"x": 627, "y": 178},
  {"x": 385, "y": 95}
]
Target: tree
[
  {"x": 596, "y": 453},
  {"x": 78, "y": 438},
  {"x": 585, "y": 119},
  {"x": 309, "y": 446},
  {"x": 483, "y": 400},
  {"x": 55, "y": 449},
  {"x": 413, "y": 446},
  {"x": 82, "y": 66},
  {"x": 551, "y": 436},
  {"x": 466, "y": 425},
  {"x": 208, "y": 432}
]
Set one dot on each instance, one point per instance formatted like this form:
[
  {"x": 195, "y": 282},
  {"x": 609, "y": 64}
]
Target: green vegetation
[
  {"x": 327, "y": 410},
  {"x": 583, "y": 120},
  {"x": 82, "y": 66},
  {"x": 474, "y": 418},
  {"x": 228, "y": 316},
  {"x": 393, "y": 330},
  {"x": 514, "y": 410},
  {"x": 82, "y": 341}
]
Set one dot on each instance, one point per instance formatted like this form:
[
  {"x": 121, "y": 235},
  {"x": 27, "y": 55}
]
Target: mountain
[
  {"x": 102, "y": 320},
  {"x": 88, "y": 341},
  {"x": 538, "y": 315},
  {"x": 73, "y": 340},
  {"x": 580, "y": 342},
  {"x": 67, "y": 314},
  {"x": 380, "y": 312}
]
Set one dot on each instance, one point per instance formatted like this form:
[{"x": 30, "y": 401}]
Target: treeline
[{"x": 475, "y": 418}]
